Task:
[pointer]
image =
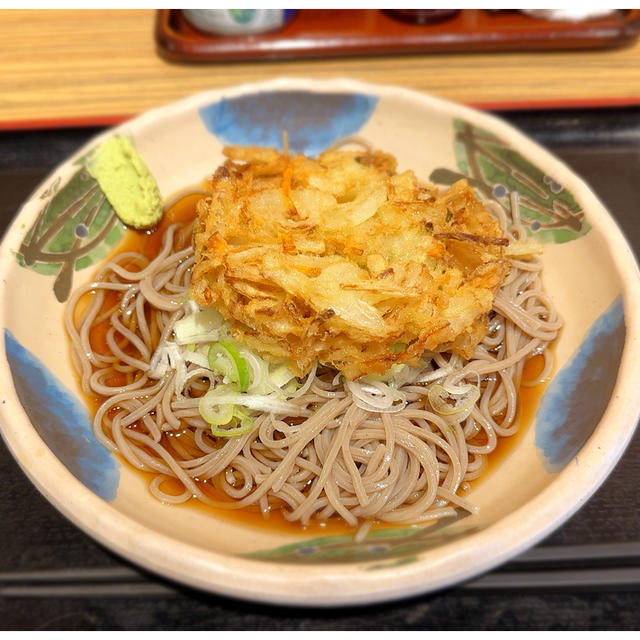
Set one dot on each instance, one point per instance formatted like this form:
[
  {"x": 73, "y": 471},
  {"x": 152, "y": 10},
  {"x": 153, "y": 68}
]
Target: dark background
[{"x": 586, "y": 575}]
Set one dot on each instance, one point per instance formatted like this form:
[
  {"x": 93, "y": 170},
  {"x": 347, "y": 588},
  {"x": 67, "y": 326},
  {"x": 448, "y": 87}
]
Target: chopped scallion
[{"x": 224, "y": 358}]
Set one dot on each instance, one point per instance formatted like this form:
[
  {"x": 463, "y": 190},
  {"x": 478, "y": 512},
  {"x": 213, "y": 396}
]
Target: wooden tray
[{"x": 315, "y": 33}]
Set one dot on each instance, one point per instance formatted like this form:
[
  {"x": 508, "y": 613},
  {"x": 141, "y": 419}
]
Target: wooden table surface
[{"x": 70, "y": 67}]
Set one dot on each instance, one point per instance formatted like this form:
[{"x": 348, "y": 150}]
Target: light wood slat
[{"x": 88, "y": 64}]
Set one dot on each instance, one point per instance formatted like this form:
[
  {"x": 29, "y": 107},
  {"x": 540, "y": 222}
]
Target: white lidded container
[{"x": 238, "y": 21}]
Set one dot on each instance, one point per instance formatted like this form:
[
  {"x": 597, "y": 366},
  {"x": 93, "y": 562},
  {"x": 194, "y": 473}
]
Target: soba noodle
[{"x": 363, "y": 451}]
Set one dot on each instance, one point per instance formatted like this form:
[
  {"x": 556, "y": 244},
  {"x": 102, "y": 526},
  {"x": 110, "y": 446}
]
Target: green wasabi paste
[{"x": 127, "y": 182}]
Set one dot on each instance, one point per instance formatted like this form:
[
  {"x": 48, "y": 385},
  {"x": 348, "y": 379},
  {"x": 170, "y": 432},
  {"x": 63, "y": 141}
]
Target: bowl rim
[{"x": 338, "y": 584}]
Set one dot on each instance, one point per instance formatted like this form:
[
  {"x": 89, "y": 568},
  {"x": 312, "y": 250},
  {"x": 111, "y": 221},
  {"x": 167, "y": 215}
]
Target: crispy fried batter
[{"x": 342, "y": 260}]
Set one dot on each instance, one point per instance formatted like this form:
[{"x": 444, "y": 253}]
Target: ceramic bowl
[{"x": 583, "y": 423}]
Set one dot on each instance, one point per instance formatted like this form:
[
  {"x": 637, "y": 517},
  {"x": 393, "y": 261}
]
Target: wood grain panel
[{"x": 70, "y": 66}]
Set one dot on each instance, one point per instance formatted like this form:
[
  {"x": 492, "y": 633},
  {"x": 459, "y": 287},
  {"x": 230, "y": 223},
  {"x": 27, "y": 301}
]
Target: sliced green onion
[
  {"x": 200, "y": 326},
  {"x": 246, "y": 421},
  {"x": 291, "y": 387},
  {"x": 281, "y": 375},
  {"x": 224, "y": 394},
  {"x": 216, "y": 414},
  {"x": 243, "y": 424},
  {"x": 449, "y": 404},
  {"x": 224, "y": 358},
  {"x": 230, "y": 433},
  {"x": 226, "y": 420}
]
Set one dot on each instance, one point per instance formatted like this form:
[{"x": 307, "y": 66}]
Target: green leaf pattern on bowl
[
  {"x": 549, "y": 212},
  {"x": 397, "y": 545},
  {"x": 75, "y": 229}
]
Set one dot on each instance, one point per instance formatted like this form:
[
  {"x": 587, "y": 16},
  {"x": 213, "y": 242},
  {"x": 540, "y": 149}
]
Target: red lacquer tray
[{"x": 315, "y": 33}]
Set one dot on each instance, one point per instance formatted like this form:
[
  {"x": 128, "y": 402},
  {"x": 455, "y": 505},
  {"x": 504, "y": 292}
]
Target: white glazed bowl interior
[{"x": 586, "y": 416}]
